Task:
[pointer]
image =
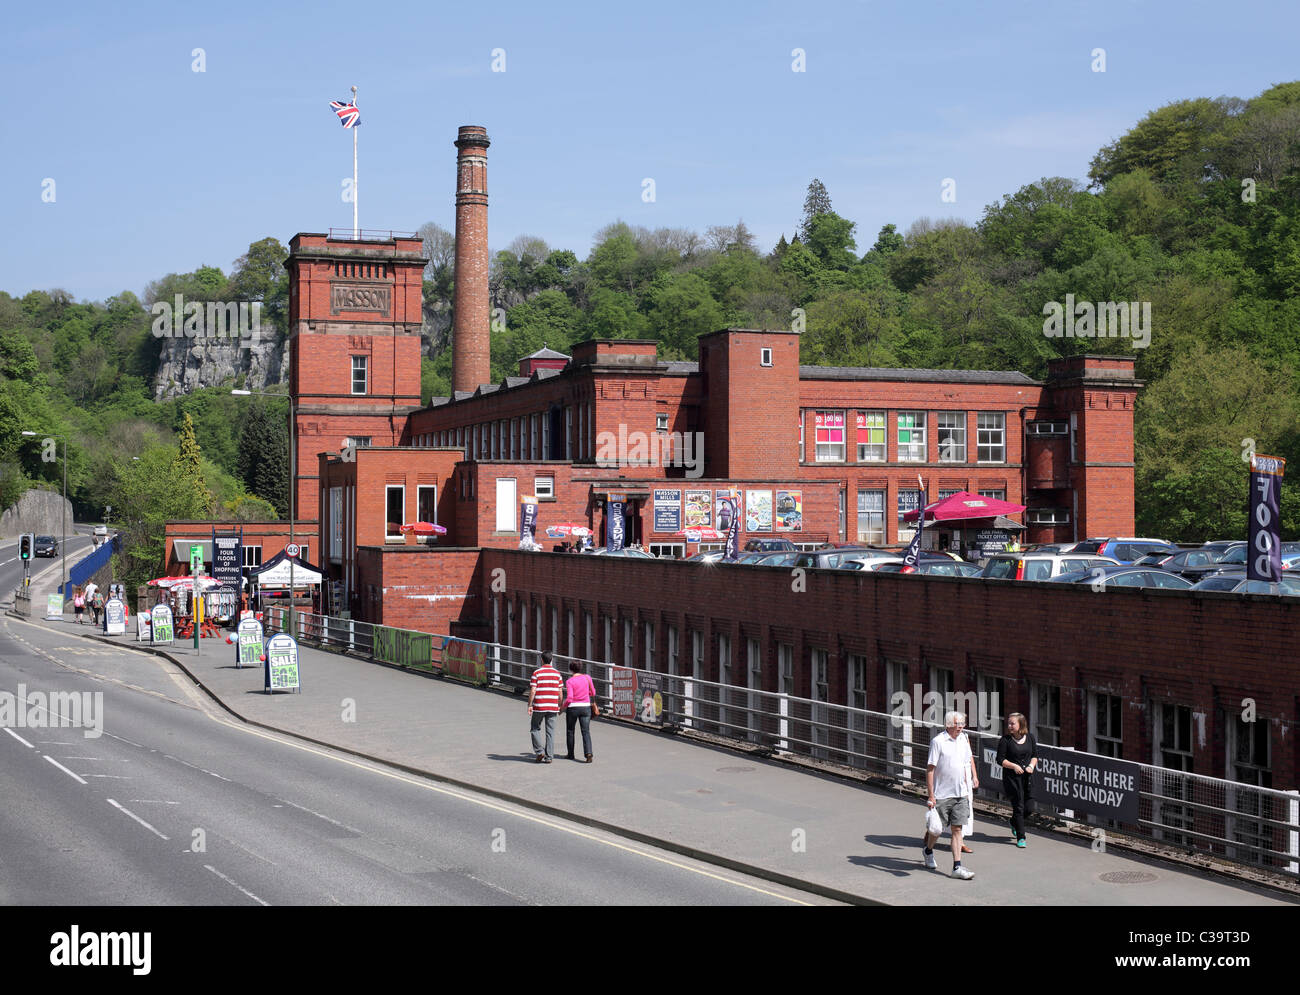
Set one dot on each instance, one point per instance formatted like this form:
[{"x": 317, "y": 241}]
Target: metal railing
[
  {"x": 1192, "y": 813},
  {"x": 368, "y": 235}
]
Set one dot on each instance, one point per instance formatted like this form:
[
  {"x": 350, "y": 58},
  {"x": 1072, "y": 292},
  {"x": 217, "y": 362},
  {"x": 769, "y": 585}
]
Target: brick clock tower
[{"x": 354, "y": 345}]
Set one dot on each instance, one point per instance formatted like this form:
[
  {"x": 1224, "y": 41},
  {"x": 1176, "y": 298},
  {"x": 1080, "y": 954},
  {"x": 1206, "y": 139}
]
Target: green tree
[
  {"x": 263, "y": 463},
  {"x": 816, "y": 202},
  {"x": 188, "y": 469}
]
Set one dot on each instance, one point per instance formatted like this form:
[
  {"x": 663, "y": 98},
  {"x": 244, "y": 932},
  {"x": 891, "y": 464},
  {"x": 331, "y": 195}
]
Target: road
[
  {"x": 176, "y": 803},
  {"x": 11, "y": 568}
]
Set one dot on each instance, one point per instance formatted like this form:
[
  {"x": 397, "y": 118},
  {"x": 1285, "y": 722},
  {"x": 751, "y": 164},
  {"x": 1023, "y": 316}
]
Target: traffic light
[{"x": 25, "y": 546}]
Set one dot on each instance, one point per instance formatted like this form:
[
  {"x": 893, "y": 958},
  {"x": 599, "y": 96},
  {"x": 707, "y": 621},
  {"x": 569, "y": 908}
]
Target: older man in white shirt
[{"x": 950, "y": 778}]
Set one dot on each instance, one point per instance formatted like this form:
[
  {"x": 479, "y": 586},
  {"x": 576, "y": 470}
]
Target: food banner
[
  {"x": 1264, "y": 555},
  {"x": 789, "y": 511},
  {"x": 699, "y": 509},
  {"x": 667, "y": 511}
]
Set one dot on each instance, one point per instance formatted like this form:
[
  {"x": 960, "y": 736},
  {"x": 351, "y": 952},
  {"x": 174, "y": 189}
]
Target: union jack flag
[{"x": 348, "y": 114}]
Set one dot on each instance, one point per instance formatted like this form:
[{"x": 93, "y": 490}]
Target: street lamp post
[
  {"x": 293, "y": 498},
  {"x": 63, "y": 508}
]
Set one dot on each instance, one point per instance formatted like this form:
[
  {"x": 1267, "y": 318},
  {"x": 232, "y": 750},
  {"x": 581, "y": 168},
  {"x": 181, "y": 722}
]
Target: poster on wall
[
  {"x": 667, "y": 511},
  {"x": 699, "y": 509},
  {"x": 789, "y": 511},
  {"x": 722, "y": 507},
  {"x": 758, "y": 511}
]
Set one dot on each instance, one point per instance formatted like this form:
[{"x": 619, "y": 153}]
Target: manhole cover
[
  {"x": 734, "y": 770},
  {"x": 1128, "y": 877}
]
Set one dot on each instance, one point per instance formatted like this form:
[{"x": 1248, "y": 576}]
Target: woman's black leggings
[{"x": 1019, "y": 795}]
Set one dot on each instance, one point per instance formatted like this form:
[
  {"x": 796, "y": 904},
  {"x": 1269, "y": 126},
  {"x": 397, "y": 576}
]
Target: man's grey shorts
[{"x": 953, "y": 811}]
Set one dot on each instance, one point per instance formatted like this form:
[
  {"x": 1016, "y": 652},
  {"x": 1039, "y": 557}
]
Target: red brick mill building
[{"x": 814, "y": 454}]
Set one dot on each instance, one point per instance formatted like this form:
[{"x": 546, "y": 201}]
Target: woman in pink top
[{"x": 579, "y": 706}]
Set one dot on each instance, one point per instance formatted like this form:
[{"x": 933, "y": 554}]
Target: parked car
[
  {"x": 1125, "y": 550},
  {"x": 707, "y": 556},
  {"x": 833, "y": 556},
  {"x": 1238, "y": 584},
  {"x": 1190, "y": 563},
  {"x": 938, "y": 567},
  {"x": 1040, "y": 566},
  {"x": 770, "y": 546},
  {"x": 778, "y": 559},
  {"x": 1123, "y": 575},
  {"x": 635, "y": 554},
  {"x": 46, "y": 546}
]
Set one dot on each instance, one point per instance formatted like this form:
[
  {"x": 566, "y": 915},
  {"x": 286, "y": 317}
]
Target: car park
[
  {"x": 1040, "y": 566},
  {"x": 1123, "y": 575}
]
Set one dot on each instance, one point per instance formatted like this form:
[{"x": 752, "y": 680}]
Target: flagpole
[{"x": 356, "y": 232}]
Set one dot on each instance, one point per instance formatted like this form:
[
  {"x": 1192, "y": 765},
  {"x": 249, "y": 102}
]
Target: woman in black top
[{"x": 1017, "y": 756}]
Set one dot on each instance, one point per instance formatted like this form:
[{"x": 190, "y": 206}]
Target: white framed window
[
  {"x": 996, "y": 493},
  {"x": 992, "y": 436},
  {"x": 507, "y": 505},
  {"x": 541, "y": 633},
  {"x": 609, "y": 639},
  {"x": 697, "y": 655},
  {"x": 555, "y": 630},
  {"x": 359, "y": 374},
  {"x": 871, "y": 436},
  {"x": 668, "y": 550},
  {"x": 764, "y": 357},
  {"x": 590, "y": 637},
  {"x": 395, "y": 511},
  {"x": 252, "y": 556},
  {"x": 523, "y": 438},
  {"x": 661, "y": 422},
  {"x": 546, "y": 435},
  {"x": 801, "y": 455},
  {"x": 909, "y": 499},
  {"x": 871, "y": 517},
  {"x": 829, "y": 428},
  {"x": 573, "y": 635},
  {"x": 674, "y": 648},
  {"x": 1048, "y": 516},
  {"x": 544, "y": 488},
  {"x": 951, "y": 427},
  {"x": 911, "y": 436}
]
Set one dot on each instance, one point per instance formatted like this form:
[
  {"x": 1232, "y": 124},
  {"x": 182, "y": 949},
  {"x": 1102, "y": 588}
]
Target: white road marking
[
  {"x": 115, "y": 777},
  {"x": 332, "y": 822},
  {"x": 234, "y": 884},
  {"x": 196, "y": 767},
  {"x": 251, "y": 853},
  {"x": 151, "y": 801},
  {"x": 64, "y": 769},
  {"x": 122, "y": 808},
  {"x": 19, "y": 738}
]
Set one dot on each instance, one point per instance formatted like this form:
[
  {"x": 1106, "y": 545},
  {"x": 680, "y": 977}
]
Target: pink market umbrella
[
  {"x": 187, "y": 583},
  {"x": 424, "y": 529},
  {"x": 963, "y": 505}
]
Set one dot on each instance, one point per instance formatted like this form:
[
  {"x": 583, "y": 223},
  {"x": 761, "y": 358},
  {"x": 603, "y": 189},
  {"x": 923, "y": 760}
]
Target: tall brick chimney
[{"x": 471, "y": 363}]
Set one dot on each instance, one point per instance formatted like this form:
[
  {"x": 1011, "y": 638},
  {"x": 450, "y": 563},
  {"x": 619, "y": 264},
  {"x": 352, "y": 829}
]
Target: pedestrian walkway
[{"x": 769, "y": 817}]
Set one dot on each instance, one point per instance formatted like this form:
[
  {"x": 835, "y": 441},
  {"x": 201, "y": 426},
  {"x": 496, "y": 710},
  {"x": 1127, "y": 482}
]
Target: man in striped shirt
[{"x": 544, "y": 691}]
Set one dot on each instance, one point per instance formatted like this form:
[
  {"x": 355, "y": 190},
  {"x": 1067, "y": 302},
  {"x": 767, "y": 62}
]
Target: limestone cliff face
[
  {"x": 36, "y": 511},
  {"x": 186, "y": 364}
]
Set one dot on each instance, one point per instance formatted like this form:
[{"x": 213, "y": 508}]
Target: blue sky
[{"x": 160, "y": 169}]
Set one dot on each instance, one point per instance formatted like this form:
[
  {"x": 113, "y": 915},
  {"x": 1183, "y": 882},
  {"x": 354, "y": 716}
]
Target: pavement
[{"x": 786, "y": 823}]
